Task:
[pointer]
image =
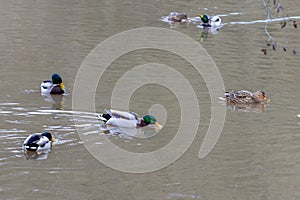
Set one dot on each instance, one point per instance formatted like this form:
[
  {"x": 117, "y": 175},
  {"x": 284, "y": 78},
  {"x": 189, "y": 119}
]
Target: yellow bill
[
  {"x": 158, "y": 125},
  {"x": 62, "y": 86}
]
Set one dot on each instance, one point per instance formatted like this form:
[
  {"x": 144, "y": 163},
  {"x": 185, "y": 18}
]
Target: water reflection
[
  {"x": 56, "y": 100},
  {"x": 213, "y": 29},
  {"x": 41, "y": 155},
  {"x": 125, "y": 132},
  {"x": 257, "y": 108},
  {"x": 205, "y": 32}
]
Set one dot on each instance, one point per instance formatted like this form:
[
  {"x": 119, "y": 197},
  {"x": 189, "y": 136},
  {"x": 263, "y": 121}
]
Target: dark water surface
[{"x": 256, "y": 157}]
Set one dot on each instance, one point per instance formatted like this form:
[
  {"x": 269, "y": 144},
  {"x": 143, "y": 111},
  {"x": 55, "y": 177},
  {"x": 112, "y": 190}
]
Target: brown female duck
[
  {"x": 177, "y": 17},
  {"x": 245, "y": 97}
]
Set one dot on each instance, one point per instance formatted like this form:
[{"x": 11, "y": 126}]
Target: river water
[{"x": 256, "y": 157}]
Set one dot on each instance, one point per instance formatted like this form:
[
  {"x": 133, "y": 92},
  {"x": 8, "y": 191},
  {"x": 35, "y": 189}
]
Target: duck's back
[
  {"x": 121, "y": 122},
  {"x": 46, "y": 86},
  {"x": 239, "y": 97},
  {"x": 30, "y": 144},
  {"x": 123, "y": 114}
]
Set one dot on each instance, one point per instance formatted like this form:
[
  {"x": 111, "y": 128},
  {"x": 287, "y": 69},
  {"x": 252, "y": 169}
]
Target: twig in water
[{"x": 272, "y": 41}]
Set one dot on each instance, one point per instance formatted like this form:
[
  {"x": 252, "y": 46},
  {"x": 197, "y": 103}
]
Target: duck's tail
[
  {"x": 226, "y": 94},
  {"x": 104, "y": 117}
]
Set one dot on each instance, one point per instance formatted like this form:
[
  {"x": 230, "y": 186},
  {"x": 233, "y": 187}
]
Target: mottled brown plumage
[
  {"x": 245, "y": 97},
  {"x": 177, "y": 17}
]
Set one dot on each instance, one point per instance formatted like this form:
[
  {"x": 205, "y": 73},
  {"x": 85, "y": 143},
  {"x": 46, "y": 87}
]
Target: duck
[
  {"x": 127, "y": 119},
  {"x": 245, "y": 97},
  {"x": 38, "y": 142},
  {"x": 212, "y": 21},
  {"x": 54, "y": 86},
  {"x": 177, "y": 17}
]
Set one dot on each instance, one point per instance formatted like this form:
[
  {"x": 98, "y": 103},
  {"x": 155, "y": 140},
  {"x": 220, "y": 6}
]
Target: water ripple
[
  {"x": 9, "y": 104},
  {"x": 14, "y": 130},
  {"x": 266, "y": 20}
]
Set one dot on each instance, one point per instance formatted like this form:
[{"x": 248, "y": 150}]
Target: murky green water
[{"x": 256, "y": 157}]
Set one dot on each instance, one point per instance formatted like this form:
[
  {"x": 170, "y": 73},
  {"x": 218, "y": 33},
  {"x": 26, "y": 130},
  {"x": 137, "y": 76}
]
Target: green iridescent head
[
  {"x": 204, "y": 18},
  {"x": 56, "y": 79},
  {"x": 149, "y": 119},
  {"x": 49, "y": 136}
]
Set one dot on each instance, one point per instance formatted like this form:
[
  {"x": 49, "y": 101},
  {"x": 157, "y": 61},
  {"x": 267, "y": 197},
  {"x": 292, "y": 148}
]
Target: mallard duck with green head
[
  {"x": 54, "y": 86},
  {"x": 127, "y": 119},
  {"x": 212, "y": 21},
  {"x": 245, "y": 97}
]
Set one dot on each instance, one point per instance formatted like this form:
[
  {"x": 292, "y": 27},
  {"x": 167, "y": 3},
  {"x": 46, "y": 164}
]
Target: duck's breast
[{"x": 56, "y": 90}]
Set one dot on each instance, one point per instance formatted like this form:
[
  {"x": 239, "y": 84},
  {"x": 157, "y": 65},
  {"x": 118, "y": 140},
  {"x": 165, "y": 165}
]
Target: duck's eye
[
  {"x": 44, "y": 87},
  {"x": 217, "y": 20}
]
